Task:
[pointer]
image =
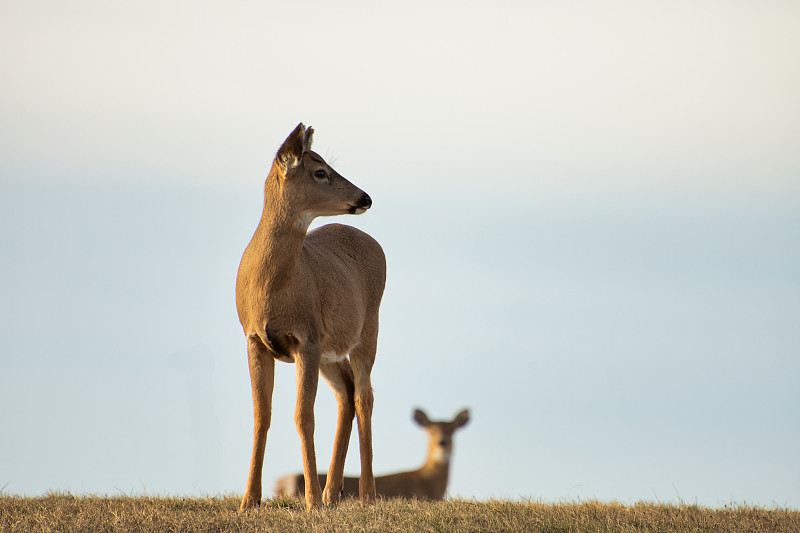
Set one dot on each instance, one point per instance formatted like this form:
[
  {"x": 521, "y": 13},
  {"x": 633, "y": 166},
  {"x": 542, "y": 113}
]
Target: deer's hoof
[
  {"x": 249, "y": 502},
  {"x": 313, "y": 503},
  {"x": 331, "y": 497}
]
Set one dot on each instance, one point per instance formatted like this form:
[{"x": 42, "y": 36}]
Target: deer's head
[
  {"x": 440, "y": 434},
  {"x": 308, "y": 186}
]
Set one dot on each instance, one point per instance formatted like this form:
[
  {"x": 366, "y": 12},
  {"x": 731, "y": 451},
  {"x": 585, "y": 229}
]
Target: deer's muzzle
[{"x": 361, "y": 205}]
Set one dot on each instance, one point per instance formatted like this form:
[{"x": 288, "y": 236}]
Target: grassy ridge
[{"x": 64, "y": 512}]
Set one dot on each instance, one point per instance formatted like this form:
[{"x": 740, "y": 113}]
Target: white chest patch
[{"x": 439, "y": 455}]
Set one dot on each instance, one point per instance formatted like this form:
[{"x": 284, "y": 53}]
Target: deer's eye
[{"x": 320, "y": 174}]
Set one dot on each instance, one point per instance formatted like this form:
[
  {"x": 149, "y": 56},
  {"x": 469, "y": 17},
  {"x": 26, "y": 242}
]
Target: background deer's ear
[
  {"x": 292, "y": 149},
  {"x": 461, "y": 418},
  {"x": 421, "y": 418}
]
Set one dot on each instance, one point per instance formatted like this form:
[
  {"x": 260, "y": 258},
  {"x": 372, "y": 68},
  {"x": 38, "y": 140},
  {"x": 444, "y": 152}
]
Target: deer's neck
[
  {"x": 436, "y": 467},
  {"x": 435, "y": 475},
  {"x": 279, "y": 238}
]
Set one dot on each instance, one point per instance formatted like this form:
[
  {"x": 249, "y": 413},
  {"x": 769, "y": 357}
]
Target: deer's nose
[{"x": 365, "y": 201}]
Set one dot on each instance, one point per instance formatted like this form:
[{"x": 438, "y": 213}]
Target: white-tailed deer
[
  {"x": 428, "y": 482},
  {"x": 312, "y": 299}
]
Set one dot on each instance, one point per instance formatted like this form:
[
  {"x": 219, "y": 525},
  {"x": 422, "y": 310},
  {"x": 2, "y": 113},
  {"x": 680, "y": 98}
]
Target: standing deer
[
  {"x": 428, "y": 482},
  {"x": 311, "y": 298}
]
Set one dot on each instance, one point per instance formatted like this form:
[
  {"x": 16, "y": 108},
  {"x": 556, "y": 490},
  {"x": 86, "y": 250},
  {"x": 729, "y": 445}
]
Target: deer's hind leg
[
  {"x": 362, "y": 358},
  {"x": 340, "y": 377},
  {"x": 262, "y": 379}
]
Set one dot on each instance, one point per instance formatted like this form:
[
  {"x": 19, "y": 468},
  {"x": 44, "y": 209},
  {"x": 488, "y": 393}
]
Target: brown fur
[
  {"x": 426, "y": 483},
  {"x": 311, "y": 299}
]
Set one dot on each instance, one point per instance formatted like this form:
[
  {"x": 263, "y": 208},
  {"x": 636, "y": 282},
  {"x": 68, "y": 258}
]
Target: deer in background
[
  {"x": 311, "y": 298},
  {"x": 426, "y": 483}
]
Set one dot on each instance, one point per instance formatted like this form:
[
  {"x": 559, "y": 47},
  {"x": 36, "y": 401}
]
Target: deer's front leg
[
  {"x": 262, "y": 379},
  {"x": 307, "y": 362}
]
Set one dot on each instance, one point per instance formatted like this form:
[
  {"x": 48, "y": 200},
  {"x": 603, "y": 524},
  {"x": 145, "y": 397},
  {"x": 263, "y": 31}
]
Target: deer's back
[
  {"x": 344, "y": 262},
  {"x": 403, "y": 485}
]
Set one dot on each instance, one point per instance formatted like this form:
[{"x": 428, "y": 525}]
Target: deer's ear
[
  {"x": 461, "y": 418},
  {"x": 308, "y": 138},
  {"x": 292, "y": 148},
  {"x": 421, "y": 418}
]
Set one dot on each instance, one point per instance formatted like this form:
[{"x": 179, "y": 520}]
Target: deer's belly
[{"x": 333, "y": 357}]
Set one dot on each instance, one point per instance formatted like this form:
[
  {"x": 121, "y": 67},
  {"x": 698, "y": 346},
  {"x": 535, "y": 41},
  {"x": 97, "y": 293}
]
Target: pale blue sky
[{"x": 590, "y": 211}]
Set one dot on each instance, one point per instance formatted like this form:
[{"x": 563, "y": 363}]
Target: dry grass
[{"x": 64, "y": 512}]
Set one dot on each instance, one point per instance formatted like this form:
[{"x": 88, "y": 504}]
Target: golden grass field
[{"x": 65, "y": 512}]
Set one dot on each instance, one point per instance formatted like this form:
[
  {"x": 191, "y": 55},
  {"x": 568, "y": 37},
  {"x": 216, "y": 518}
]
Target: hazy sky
[{"x": 590, "y": 211}]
